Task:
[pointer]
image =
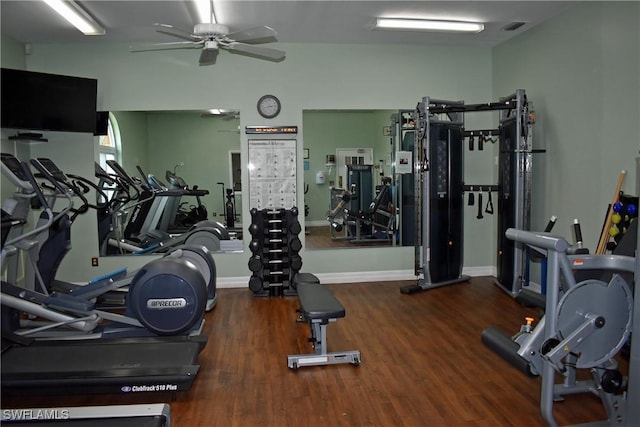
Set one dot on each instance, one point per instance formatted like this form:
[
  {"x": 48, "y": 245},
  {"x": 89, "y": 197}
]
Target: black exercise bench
[{"x": 318, "y": 307}]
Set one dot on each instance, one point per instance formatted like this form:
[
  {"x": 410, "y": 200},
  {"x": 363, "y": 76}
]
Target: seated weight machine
[
  {"x": 377, "y": 217},
  {"x": 585, "y": 326}
]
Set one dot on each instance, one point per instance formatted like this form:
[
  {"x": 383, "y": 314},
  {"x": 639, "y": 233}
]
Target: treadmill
[{"x": 107, "y": 366}]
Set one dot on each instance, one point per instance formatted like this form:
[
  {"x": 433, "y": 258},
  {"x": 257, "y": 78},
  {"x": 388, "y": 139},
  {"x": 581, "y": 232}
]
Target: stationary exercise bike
[
  {"x": 585, "y": 326},
  {"x": 229, "y": 206}
]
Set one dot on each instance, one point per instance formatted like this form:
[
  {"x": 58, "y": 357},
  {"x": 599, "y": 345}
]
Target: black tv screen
[{"x": 41, "y": 101}]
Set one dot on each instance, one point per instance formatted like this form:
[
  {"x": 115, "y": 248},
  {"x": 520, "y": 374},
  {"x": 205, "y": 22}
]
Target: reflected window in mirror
[
  {"x": 109, "y": 147},
  {"x": 235, "y": 171}
]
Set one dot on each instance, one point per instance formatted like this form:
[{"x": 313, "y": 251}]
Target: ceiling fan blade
[
  {"x": 208, "y": 56},
  {"x": 264, "y": 52},
  {"x": 143, "y": 47},
  {"x": 176, "y": 32},
  {"x": 262, "y": 34}
]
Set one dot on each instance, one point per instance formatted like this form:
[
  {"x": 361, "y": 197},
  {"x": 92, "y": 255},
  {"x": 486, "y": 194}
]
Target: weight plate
[{"x": 613, "y": 301}]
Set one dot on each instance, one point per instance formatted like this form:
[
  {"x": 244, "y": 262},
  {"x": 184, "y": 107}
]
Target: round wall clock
[{"x": 269, "y": 106}]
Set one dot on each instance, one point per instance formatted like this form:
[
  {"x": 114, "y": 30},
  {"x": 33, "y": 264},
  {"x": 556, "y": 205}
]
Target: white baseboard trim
[{"x": 359, "y": 276}]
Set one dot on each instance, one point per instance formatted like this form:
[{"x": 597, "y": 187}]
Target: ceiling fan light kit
[{"x": 405, "y": 24}]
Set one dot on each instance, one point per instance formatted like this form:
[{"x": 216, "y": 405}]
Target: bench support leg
[{"x": 321, "y": 355}]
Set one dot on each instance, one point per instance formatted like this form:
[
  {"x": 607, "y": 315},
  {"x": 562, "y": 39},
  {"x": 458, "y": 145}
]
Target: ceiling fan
[{"x": 210, "y": 38}]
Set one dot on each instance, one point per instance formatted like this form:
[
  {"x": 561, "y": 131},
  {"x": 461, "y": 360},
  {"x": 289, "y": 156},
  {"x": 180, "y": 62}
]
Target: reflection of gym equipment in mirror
[
  {"x": 157, "y": 139},
  {"x": 353, "y": 218},
  {"x": 136, "y": 213},
  {"x": 230, "y": 214},
  {"x": 438, "y": 187}
]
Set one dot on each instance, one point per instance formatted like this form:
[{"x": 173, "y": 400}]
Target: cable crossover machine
[{"x": 439, "y": 187}]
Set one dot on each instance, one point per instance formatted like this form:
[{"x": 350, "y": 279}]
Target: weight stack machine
[
  {"x": 439, "y": 189},
  {"x": 275, "y": 248},
  {"x": 515, "y": 160}
]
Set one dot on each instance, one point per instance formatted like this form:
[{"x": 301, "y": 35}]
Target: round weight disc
[
  {"x": 613, "y": 302},
  {"x": 204, "y": 238},
  {"x": 168, "y": 296},
  {"x": 202, "y": 259},
  {"x": 255, "y": 284},
  {"x": 216, "y": 225}
]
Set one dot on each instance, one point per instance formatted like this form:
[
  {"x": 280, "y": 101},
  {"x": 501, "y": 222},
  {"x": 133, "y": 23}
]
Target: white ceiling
[{"x": 31, "y": 21}]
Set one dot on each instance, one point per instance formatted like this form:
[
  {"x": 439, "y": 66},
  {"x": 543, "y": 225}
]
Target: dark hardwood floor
[
  {"x": 422, "y": 365},
  {"x": 320, "y": 238}
]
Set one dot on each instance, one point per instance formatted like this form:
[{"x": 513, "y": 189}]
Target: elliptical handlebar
[
  {"x": 24, "y": 167},
  {"x": 79, "y": 181},
  {"x": 51, "y": 173}
]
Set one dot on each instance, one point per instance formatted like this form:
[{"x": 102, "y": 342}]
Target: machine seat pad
[{"x": 318, "y": 303}]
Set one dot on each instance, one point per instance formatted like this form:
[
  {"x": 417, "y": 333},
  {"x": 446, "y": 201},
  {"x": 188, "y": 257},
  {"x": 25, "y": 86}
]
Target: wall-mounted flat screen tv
[{"x": 41, "y": 101}]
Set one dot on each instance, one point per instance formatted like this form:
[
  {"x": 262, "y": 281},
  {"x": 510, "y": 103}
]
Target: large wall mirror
[
  {"x": 351, "y": 191},
  {"x": 198, "y": 151}
]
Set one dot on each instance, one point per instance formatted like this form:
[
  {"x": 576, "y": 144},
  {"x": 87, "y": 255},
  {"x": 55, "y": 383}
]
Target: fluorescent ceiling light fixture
[
  {"x": 427, "y": 25},
  {"x": 205, "y": 11},
  {"x": 76, "y": 16}
]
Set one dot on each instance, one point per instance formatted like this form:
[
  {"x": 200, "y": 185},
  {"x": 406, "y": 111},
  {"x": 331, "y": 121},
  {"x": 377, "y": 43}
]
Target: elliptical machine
[
  {"x": 167, "y": 296},
  {"x": 56, "y": 241}
]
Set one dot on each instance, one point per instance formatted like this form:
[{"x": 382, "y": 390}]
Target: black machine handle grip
[
  {"x": 551, "y": 223},
  {"x": 480, "y": 142},
  {"x": 489, "y": 208},
  {"x": 578, "y": 231},
  {"x": 32, "y": 180},
  {"x": 479, "y": 216}
]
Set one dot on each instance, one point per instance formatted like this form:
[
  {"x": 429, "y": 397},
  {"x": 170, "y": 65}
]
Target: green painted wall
[
  {"x": 11, "y": 53},
  {"x": 581, "y": 71},
  {"x": 202, "y": 144},
  {"x": 353, "y": 77},
  {"x": 134, "y": 139}
]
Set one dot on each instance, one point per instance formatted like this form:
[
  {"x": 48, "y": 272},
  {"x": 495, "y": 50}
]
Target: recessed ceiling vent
[{"x": 513, "y": 26}]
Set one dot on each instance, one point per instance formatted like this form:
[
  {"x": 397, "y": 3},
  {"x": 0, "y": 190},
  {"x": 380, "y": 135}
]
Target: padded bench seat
[
  {"x": 318, "y": 303},
  {"x": 319, "y": 307}
]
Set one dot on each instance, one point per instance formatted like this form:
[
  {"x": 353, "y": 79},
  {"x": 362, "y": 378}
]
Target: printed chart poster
[{"x": 272, "y": 174}]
